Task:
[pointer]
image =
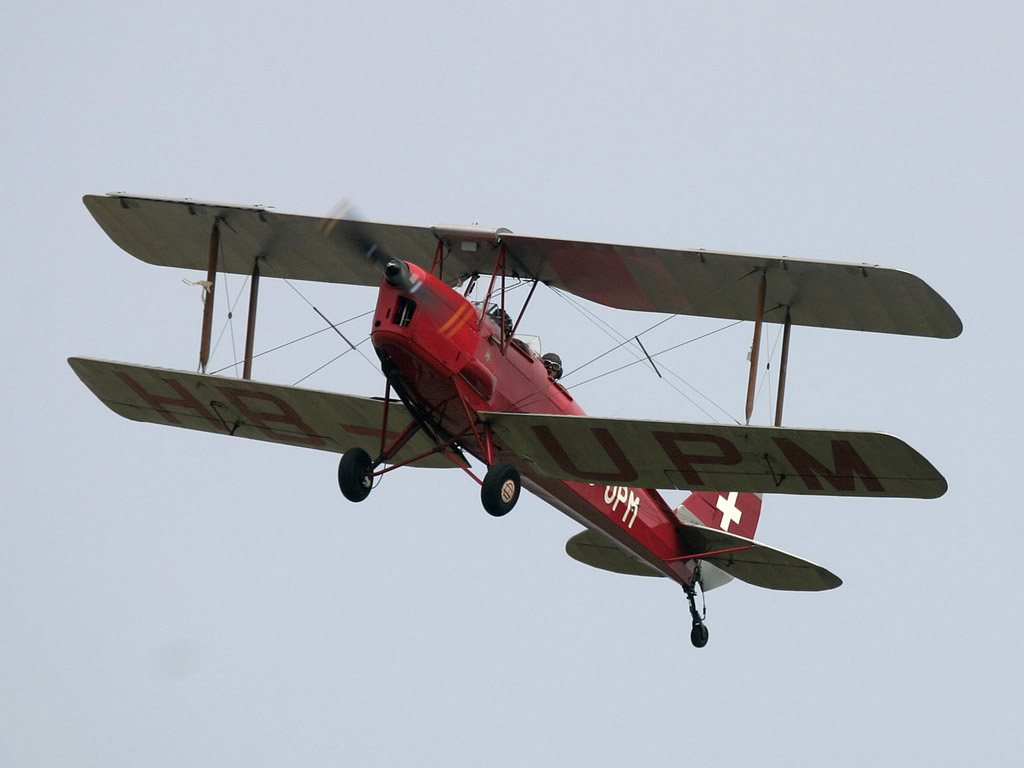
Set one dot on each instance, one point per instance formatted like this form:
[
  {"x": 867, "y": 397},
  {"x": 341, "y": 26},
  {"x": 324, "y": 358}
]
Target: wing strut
[
  {"x": 756, "y": 345},
  {"x": 783, "y": 366},
  {"x": 250, "y": 325},
  {"x": 755, "y": 348},
  {"x": 211, "y": 281},
  {"x": 209, "y": 286}
]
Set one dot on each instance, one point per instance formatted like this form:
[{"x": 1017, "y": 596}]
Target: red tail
[{"x": 727, "y": 511}]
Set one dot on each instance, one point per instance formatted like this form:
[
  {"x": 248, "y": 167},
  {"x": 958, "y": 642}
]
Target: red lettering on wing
[
  {"x": 184, "y": 400},
  {"x": 684, "y": 462},
  {"x": 848, "y": 466},
  {"x": 253, "y": 406},
  {"x": 624, "y": 471}
]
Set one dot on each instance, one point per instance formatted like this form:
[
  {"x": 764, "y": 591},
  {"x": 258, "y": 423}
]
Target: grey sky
[{"x": 174, "y": 598}]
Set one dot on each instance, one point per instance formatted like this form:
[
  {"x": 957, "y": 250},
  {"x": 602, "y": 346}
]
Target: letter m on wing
[{"x": 847, "y": 467}]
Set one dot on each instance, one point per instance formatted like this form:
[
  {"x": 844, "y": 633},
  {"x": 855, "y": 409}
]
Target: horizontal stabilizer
[
  {"x": 705, "y": 457},
  {"x": 862, "y": 297},
  {"x": 755, "y": 563},
  {"x": 271, "y": 412},
  {"x": 595, "y": 550}
]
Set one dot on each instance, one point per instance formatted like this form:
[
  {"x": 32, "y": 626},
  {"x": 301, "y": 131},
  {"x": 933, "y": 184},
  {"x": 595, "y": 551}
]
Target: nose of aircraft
[{"x": 397, "y": 273}]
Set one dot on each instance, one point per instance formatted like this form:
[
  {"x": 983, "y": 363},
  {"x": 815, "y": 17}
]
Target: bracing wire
[
  {"x": 766, "y": 379},
  {"x": 228, "y": 325},
  {"x": 329, "y": 362},
  {"x": 661, "y": 352},
  {"x": 622, "y": 341},
  {"x": 333, "y": 326},
  {"x": 605, "y": 327},
  {"x": 293, "y": 341}
]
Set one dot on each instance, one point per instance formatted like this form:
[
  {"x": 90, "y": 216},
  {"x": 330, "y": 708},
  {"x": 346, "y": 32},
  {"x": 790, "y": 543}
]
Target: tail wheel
[
  {"x": 500, "y": 490},
  {"x": 354, "y": 474},
  {"x": 699, "y": 635}
]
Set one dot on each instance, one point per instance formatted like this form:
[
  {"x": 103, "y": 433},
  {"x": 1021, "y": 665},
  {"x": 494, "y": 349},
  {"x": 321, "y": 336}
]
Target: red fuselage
[{"x": 447, "y": 356}]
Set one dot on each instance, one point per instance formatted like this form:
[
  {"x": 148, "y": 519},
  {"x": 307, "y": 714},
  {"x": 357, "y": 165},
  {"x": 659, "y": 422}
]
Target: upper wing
[
  {"x": 651, "y": 454},
  {"x": 176, "y": 233},
  {"x": 859, "y": 297},
  {"x": 279, "y": 414},
  {"x": 817, "y": 293}
]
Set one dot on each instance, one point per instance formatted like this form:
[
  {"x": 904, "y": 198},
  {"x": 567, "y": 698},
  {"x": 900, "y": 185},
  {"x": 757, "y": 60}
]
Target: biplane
[{"x": 459, "y": 383}]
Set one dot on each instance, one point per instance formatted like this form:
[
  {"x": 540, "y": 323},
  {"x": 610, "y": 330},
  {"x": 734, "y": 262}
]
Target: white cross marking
[{"x": 730, "y": 512}]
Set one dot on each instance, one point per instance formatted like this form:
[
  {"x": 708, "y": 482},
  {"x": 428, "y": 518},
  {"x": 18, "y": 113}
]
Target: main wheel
[
  {"x": 500, "y": 490},
  {"x": 353, "y": 474},
  {"x": 699, "y": 635}
]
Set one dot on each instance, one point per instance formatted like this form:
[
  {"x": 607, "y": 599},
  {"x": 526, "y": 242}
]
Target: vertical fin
[{"x": 731, "y": 512}]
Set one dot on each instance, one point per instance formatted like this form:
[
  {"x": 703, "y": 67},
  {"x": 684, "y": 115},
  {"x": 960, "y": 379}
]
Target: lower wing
[
  {"x": 652, "y": 454},
  {"x": 242, "y": 408}
]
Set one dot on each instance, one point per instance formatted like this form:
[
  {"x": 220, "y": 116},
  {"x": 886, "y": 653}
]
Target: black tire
[
  {"x": 353, "y": 474},
  {"x": 699, "y": 635},
  {"x": 500, "y": 490}
]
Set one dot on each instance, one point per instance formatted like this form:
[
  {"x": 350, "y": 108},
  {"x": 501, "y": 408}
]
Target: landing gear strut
[{"x": 699, "y": 632}]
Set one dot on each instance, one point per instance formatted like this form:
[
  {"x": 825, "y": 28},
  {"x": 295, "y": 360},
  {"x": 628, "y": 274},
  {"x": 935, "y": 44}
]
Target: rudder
[{"x": 728, "y": 511}]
